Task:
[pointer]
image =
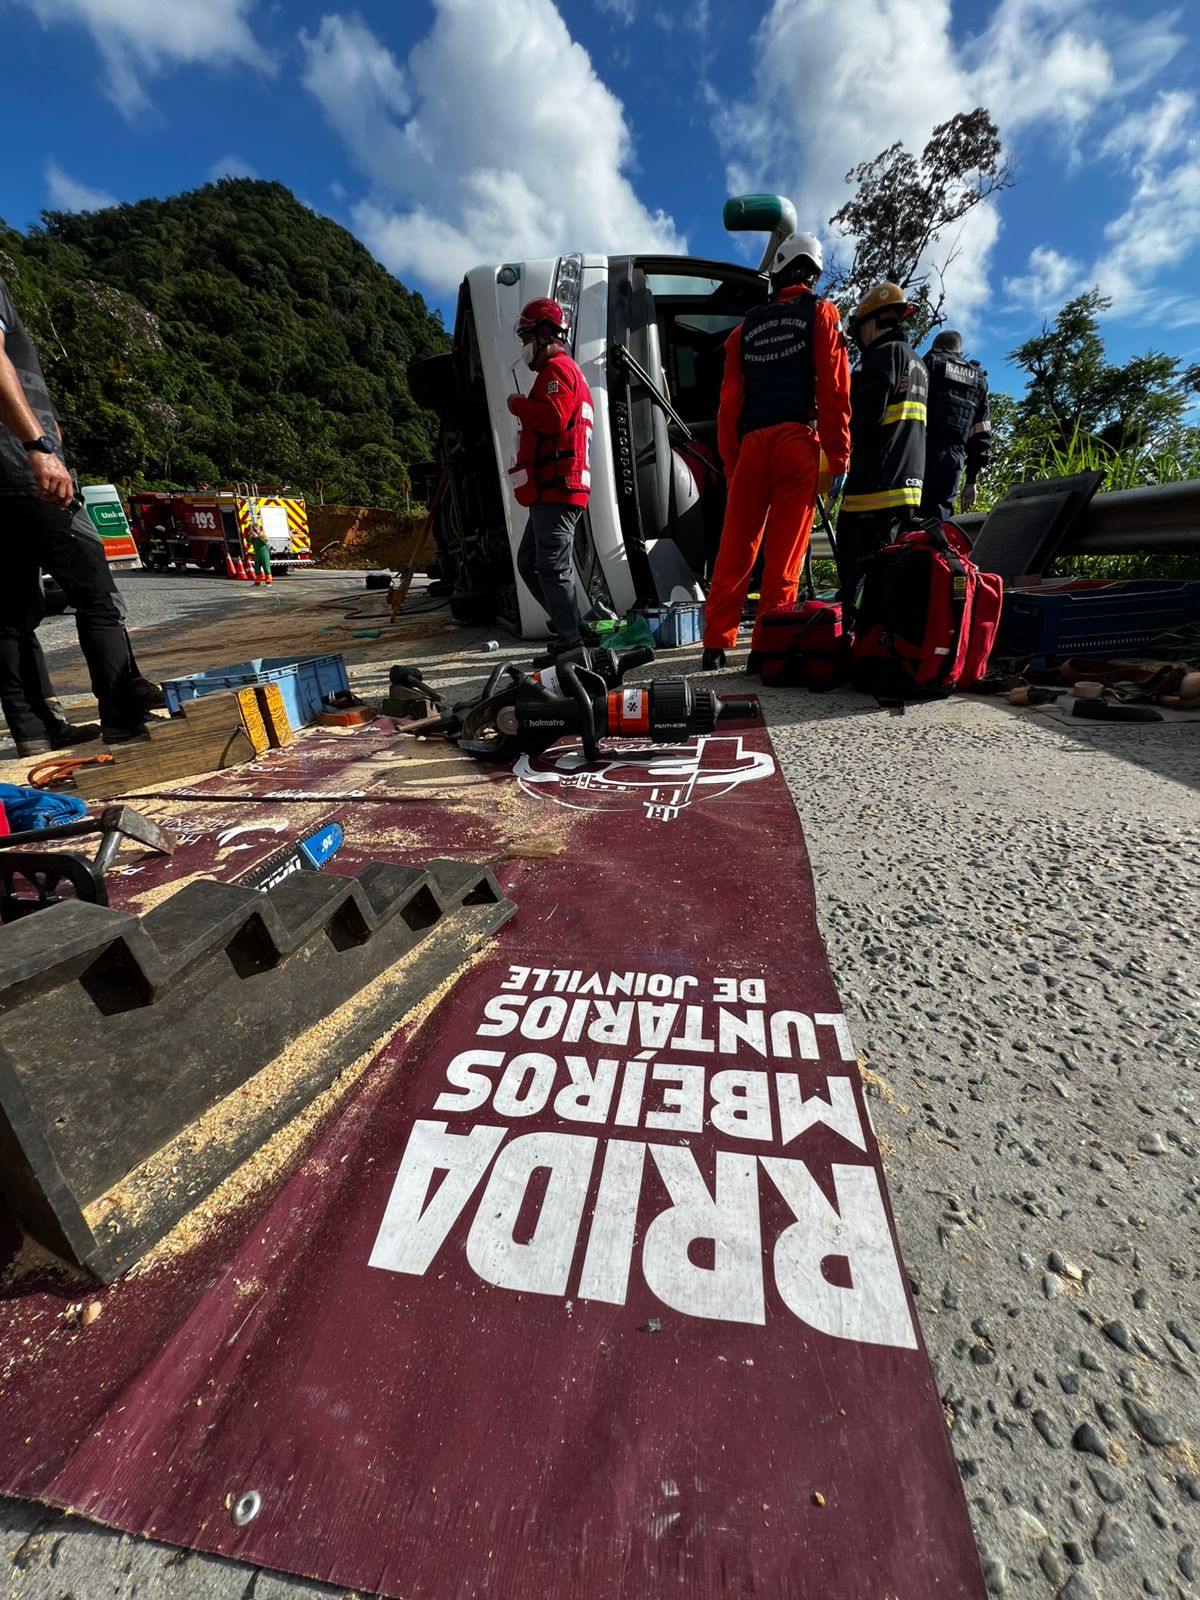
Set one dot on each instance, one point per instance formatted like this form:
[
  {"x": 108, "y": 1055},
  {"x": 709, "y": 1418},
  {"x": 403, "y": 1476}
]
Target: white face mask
[{"x": 529, "y": 350}]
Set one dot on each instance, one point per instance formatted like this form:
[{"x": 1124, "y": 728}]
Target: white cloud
[
  {"x": 231, "y": 166},
  {"x": 66, "y": 194},
  {"x": 1152, "y": 131},
  {"x": 363, "y": 93},
  {"x": 1033, "y": 63},
  {"x": 1158, "y": 229},
  {"x": 1049, "y": 279},
  {"x": 820, "y": 106},
  {"x": 142, "y": 38},
  {"x": 496, "y": 140}
]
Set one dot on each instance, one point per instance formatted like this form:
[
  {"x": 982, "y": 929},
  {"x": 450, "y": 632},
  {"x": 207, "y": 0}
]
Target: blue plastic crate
[
  {"x": 682, "y": 623},
  {"x": 302, "y": 682},
  {"x": 316, "y": 677},
  {"x": 1115, "y": 619}
]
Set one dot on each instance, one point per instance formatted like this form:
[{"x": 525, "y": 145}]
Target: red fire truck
[{"x": 202, "y": 527}]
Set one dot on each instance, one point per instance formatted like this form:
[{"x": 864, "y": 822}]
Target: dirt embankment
[{"x": 367, "y": 536}]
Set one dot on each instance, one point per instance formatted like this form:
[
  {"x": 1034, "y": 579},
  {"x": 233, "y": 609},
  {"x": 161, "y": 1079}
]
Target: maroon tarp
[{"x": 591, "y": 1289}]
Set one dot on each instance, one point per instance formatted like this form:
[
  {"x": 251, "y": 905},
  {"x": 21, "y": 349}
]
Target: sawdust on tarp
[
  {"x": 139, "y": 901},
  {"x": 274, "y": 1158},
  {"x": 33, "y": 1260}
]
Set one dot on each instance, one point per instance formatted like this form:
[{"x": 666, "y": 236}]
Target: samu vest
[{"x": 956, "y": 388}]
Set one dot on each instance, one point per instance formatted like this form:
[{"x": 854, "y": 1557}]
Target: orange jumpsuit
[{"x": 772, "y": 425}]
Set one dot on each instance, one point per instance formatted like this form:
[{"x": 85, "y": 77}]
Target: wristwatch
[{"x": 44, "y": 443}]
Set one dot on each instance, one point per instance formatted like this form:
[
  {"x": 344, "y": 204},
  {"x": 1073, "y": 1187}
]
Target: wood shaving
[
  {"x": 33, "y": 1261},
  {"x": 886, "y": 1091},
  {"x": 533, "y": 849}
]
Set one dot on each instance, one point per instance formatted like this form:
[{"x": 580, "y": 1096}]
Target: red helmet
[{"x": 539, "y": 314}]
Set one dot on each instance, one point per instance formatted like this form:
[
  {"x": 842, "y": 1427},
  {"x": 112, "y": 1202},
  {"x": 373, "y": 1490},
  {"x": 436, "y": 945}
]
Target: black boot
[{"x": 711, "y": 660}]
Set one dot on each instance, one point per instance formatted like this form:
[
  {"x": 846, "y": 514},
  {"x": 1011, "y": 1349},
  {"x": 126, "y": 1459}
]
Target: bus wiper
[{"x": 636, "y": 370}]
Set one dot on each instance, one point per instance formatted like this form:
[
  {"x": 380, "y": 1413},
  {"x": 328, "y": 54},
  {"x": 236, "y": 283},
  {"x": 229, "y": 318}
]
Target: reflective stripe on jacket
[{"x": 889, "y": 392}]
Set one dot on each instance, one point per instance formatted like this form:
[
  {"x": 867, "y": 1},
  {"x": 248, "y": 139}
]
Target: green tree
[
  {"x": 906, "y": 209},
  {"x": 1074, "y": 389},
  {"x": 222, "y": 334}
]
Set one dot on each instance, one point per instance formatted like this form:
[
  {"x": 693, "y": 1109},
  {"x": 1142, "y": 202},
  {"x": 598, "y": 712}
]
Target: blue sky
[{"x": 446, "y": 132}]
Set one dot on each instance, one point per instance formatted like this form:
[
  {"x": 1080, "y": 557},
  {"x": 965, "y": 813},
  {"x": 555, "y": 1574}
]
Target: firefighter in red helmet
[
  {"x": 785, "y": 397},
  {"x": 552, "y": 475}
]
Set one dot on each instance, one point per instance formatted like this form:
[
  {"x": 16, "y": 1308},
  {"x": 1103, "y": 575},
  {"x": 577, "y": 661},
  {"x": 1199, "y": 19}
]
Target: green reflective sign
[{"x": 108, "y": 517}]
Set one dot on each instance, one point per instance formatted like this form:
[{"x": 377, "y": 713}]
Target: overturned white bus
[{"x": 649, "y": 334}]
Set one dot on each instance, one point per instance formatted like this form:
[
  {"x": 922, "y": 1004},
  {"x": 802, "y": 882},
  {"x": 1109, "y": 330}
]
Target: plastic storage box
[
  {"x": 682, "y": 623},
  {"x": 303, "y": 681},
  {"x": 1111, "y": 619}
]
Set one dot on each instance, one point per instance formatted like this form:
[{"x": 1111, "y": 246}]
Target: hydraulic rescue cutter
[{"x": 534, "y": 710}]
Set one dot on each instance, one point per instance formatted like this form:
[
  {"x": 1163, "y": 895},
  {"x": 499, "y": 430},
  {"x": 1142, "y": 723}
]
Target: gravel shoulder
[{"x": 1010, "y": 908}]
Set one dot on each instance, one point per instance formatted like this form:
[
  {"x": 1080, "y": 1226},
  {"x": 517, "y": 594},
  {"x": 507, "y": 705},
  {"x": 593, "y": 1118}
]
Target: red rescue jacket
[{"x": 554, "y": 446}]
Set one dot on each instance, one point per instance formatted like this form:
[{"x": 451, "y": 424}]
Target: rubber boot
[{"x": 711, "y": 660}]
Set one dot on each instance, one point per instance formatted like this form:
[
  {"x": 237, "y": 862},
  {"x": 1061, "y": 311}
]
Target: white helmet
[{"x": 793, "y": 248}]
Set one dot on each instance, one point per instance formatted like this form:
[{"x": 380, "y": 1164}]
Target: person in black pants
[{"x": 44, "y": 527}]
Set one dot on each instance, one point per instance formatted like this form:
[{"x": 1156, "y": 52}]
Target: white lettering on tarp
[
  {"x": 605, "y": 1274},
  {"x": 798, "y": 1113},
  {"x": 620, "y": 1052},
  {"x": 476, "y": 1087},
  {"x": 645, "y": 1025},
  {"x": 841, "y": 1031},
  {"x": 873, "y": 1310},
  {"x": 629, "y": 1106},
  {"x": 588, "y": 1096},
  {"x": 786, "y": 1023},
  {"x": 675, "y": 1096},
  {"x": 540, "y": 1264},
  {"x": 682, "y": 1109},
  {"x": 741, "y": 1104},
  {"x": 414, "y": 1227},
  {"x": 731, "y": 1289},
  {"x": 525, "y": 1086}
]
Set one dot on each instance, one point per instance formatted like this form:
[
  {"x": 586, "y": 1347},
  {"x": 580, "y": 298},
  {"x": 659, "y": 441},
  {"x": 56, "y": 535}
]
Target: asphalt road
[{"x": 162, "y": 599}]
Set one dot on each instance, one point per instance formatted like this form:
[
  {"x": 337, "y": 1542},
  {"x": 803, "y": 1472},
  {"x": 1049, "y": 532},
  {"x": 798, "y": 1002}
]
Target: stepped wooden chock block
[{"x": 130, "y": 1046}]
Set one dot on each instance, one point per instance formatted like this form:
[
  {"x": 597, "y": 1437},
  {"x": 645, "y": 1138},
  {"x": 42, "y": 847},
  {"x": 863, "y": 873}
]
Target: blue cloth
[{"x": 37, "y": 808}]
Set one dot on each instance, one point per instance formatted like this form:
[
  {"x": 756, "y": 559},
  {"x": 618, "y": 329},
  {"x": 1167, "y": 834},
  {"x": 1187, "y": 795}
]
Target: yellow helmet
[{"x": 881, "y": 297}]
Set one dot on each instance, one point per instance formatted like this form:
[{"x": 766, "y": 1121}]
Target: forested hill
[{"x": 229, "y": 333}]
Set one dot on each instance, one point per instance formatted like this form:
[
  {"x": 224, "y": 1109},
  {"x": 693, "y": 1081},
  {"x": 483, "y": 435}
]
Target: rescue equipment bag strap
[{"x": 958, "y": 587}]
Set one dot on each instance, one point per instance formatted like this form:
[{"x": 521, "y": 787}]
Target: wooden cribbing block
[
  {"x": 207, "y": 735},
  {"x": 252, "y": 721},
  {"x": 274, "y": 715}
]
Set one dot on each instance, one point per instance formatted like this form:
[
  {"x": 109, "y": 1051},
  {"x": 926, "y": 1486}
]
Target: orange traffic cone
[
  {"x": 229, "y": 572},
  {"x": 241, "y": 569}
]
